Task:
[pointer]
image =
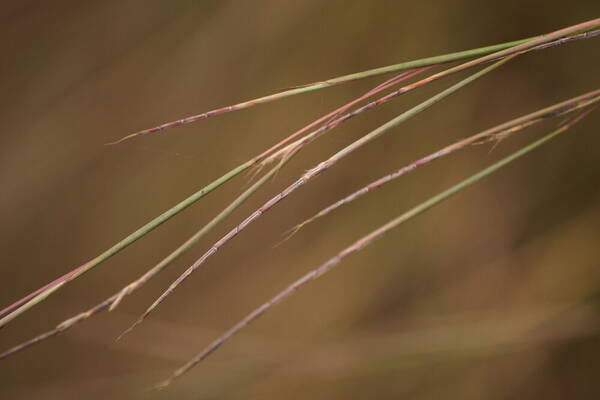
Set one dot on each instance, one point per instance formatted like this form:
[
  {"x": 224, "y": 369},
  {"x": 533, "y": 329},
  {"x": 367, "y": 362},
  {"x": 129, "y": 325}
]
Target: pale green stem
[
  {"x": 21, "y": 306},
  {"x": 309, "y": 176},
  {"x": 359, "y": 245}
]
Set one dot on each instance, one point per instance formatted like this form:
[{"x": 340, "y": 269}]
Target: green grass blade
[
  {"x": 429, "y": 61},
  {"x": 114, "y": 300},
  {"x": 21, "y": 306},
  {"x": 499, "y": 131},
  {"x": 24, "y": 304},
  {"x": 314, "y": 173},
  {"x": 360, "y": 244}
]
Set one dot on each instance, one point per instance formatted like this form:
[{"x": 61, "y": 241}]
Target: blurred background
[{"x": 493, "y": 294}]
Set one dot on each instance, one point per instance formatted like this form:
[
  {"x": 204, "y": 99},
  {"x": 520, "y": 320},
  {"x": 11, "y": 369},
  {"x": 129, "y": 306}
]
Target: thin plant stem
[
  {"x": 498, "y": 132},
  {"x": 405, "y": 89},
  {"x": 24, "y": 304},
  {"x": 41, "y": 294},
  {"x": 446, "y": 58},
  {"x": 314, "y": 173},
  {"x": 114, "y": 300},
  {"x": 362, "y": 243}
]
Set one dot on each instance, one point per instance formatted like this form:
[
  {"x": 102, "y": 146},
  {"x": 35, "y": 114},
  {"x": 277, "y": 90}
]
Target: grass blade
[
  {"x": 495, "y": 133},
  {"x": 24, "y": 304},
  {"x": 361, "y": 244},
  {"x": 429, "y": 61},
  {"x": 41, "y": 294},
  {"x": 114, "y": 300},
  {"x": 314, "y": 173}
]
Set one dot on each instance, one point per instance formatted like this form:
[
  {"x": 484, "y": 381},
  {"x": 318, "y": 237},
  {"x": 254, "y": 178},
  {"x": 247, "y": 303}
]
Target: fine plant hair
[{"x": 488, "y": 59}]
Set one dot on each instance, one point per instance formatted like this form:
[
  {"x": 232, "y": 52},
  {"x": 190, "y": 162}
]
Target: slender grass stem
[
  {"x": 403, "y": 90},
  {"x": 362, "y": 243},
  {"x": 495, "y": 133},
  {"x": 41, "y": 294},
  {"x": 19, "y": 307},
  {"x": 114, "y": 300},
  {"x": 314, "y": 173},
  {"x": 429, "y": 61},
  {"x": 24, "y": 304}
]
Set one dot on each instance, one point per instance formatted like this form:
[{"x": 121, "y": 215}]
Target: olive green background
[{"x": 492, "y": 295}]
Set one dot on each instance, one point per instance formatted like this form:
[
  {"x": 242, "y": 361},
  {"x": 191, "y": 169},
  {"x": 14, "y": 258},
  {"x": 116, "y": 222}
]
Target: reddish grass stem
[
  {"x": 24, "y": 304},
  {"x": 20, "y": 306},
  {"x": 361, "y": 244},
  {"x": 508, "y": 53},
  {"x": 495, "y": 133},
  {"x": 360, "y": 75},
  {"x": 114, "y": 300},
  {"x": 309, "y": 176}
]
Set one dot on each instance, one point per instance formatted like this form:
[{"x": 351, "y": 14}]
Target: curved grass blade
[
  {"x": 361, "y": 244},
  {"x": 113, "y": 301},
  {"x": 429, "y": 61},
  {"x": 314, "y": 173},
  {"x": 496, "y": 133},
  {"x": 24, "y": 304},
  {"x": 39, "y": 295}
]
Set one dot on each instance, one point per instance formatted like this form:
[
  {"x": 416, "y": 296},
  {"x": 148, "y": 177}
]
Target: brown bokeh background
[{"x": 491, "y": 295}]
